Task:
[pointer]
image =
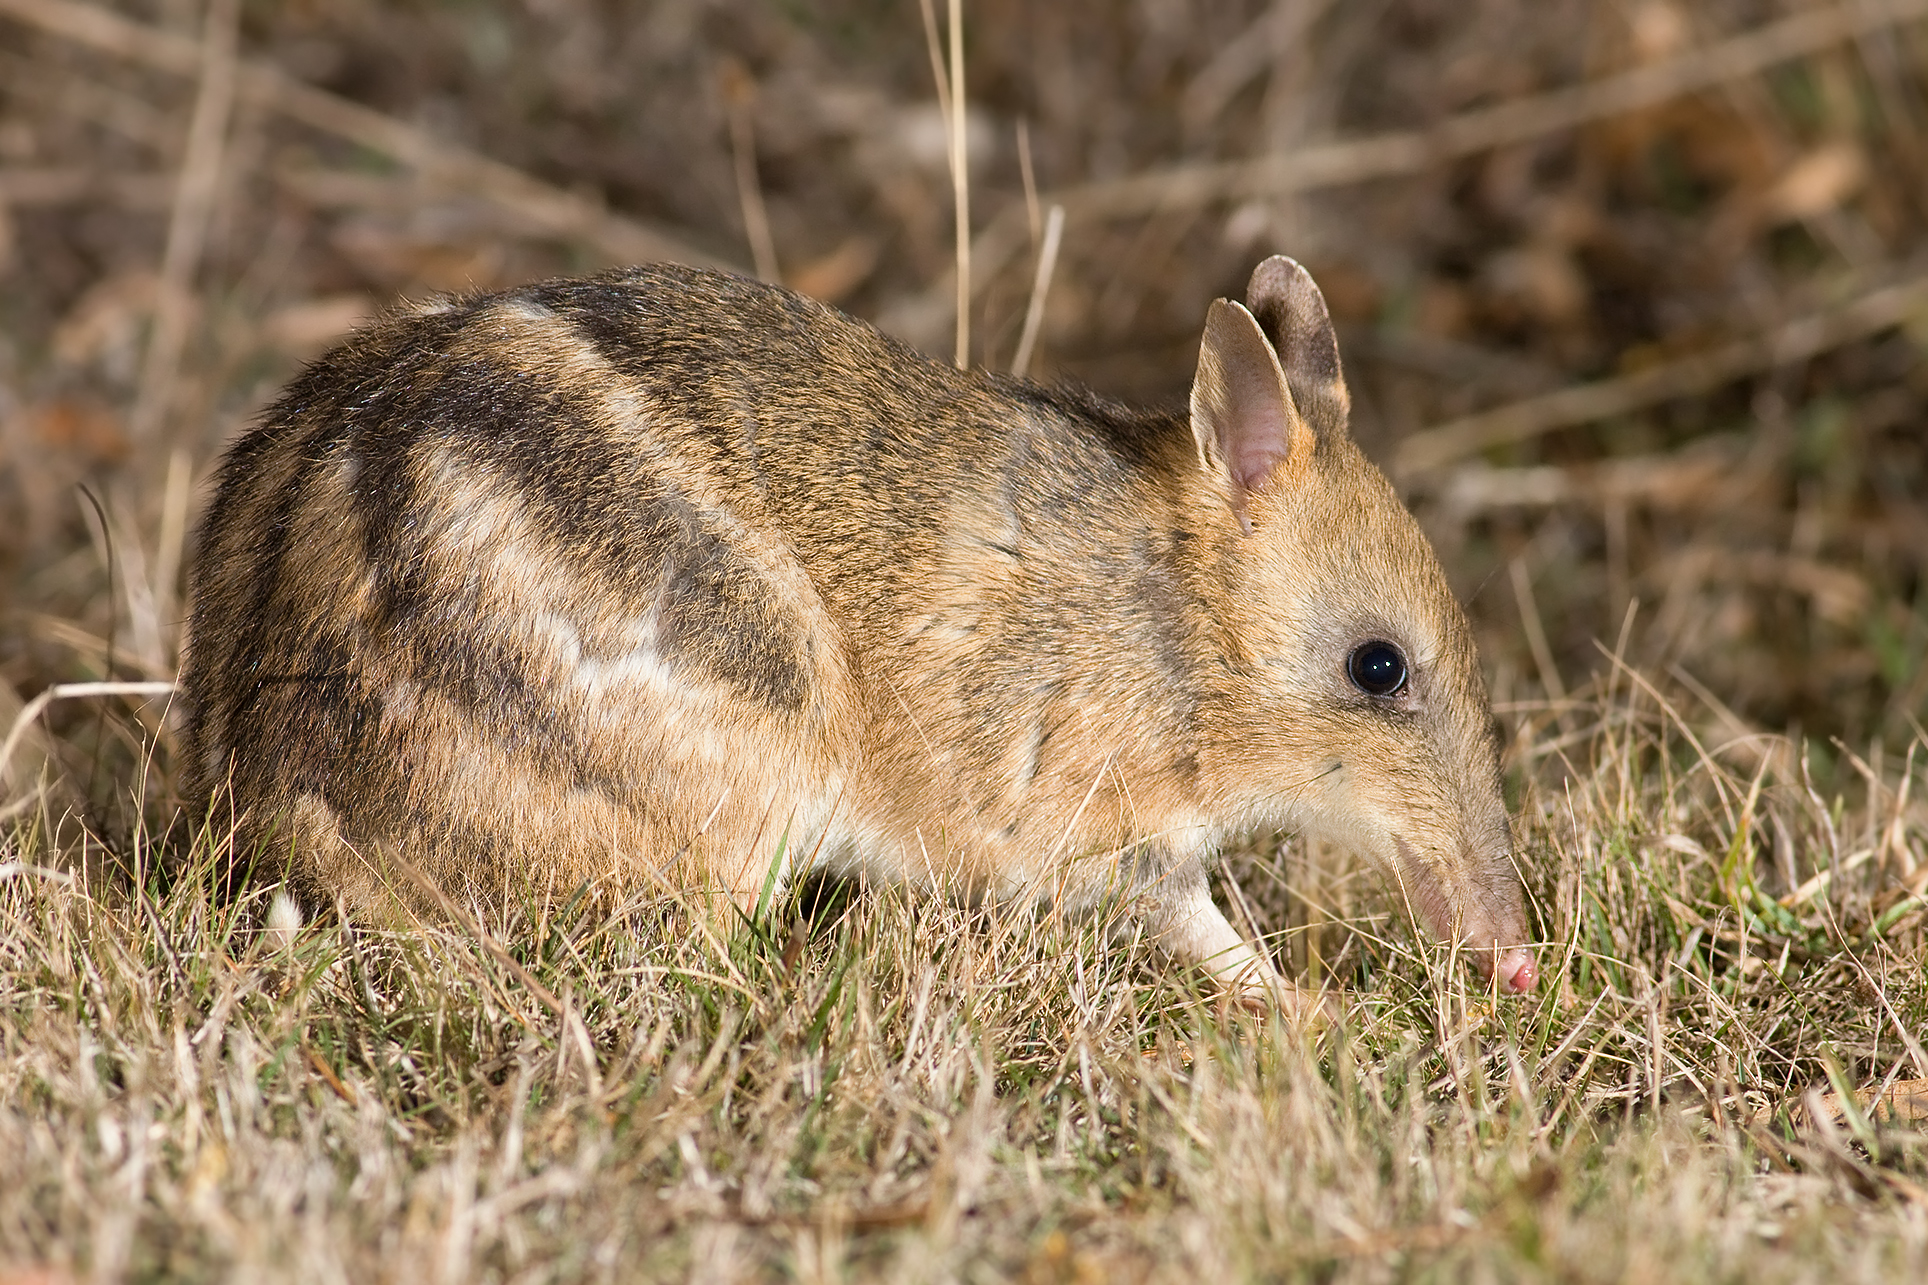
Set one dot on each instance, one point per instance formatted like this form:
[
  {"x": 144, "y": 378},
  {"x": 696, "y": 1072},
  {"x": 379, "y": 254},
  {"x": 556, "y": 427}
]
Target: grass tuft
[{"x": 861, "y": 1085}]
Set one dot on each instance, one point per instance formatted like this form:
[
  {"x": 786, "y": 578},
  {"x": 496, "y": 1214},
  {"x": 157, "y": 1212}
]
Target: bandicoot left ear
[
  {"x": 1292, "y": 313},
  {"x": 1248, "y": 430}
]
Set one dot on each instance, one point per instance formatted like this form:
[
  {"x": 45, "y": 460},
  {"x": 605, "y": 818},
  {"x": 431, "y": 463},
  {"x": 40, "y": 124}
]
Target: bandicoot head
[{"x": 1370, "y": 724}]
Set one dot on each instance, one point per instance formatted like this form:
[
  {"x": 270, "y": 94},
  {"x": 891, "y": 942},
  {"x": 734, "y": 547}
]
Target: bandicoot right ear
[
  {"x": 1292, "y": 313},
  {"x": 1247, "y": 428}
]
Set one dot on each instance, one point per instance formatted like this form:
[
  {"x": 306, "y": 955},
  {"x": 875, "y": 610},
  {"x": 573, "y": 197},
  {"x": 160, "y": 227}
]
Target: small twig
[
  {"x": 1248, "y": 55},
  {"x": 66, "y": 691},
  {"x": 66, "y": 185},
  {"x": 1033, "y": 212},
  {"x": 1798, "y": 340},
  {"x": 9, "y": 869},
  {"x": 1040, "y": 287},
  {"x": 72, "y": 691},
  {"x": 138, "y": 589},
  {"x": 169, "y": 547},
  {"x": 187, "y": 228},
  {"x": 739, "y": 91},
  {"x": 933, "y": 44},
  {"x": 961, "y": 184},
  {"x": 1536, "y": 640},
  {"x": 328, "y": 1076},
  {"x": 950, "y": 104}
]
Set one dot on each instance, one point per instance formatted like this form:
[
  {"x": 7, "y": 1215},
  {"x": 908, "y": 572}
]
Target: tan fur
[{"x": 641, "y": 580}]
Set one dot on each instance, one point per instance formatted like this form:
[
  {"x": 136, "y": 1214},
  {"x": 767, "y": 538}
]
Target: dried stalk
[
  {"x": 24, "y": 185},
  {"x": 187, "y": 228},
  {"x": 961, "y": 184},
  {"x": 1798, "y": 340},
  {"x": 950, "y": 104},
  {"x": 740, "y": 93},
  {"x": 30, "y": 712},
  {"x": 1040, "y": 287}
]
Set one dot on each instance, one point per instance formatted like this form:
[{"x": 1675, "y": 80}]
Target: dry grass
[
  {"x": 1630, "y": 297},
  {"x": 861, "y": 1088}
]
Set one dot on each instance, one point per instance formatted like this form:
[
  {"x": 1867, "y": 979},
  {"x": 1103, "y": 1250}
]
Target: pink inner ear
[
  {"x": 1257, "y": 436},
  {"x": 1252, "y": 466},
  {"x": 1241, "y": 406}
]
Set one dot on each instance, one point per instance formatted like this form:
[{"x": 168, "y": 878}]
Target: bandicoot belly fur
[{"x": 647, "y": 578}]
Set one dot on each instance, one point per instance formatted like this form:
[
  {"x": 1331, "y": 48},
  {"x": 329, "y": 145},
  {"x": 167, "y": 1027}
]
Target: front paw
[{"x": 1303, "y": 1008}]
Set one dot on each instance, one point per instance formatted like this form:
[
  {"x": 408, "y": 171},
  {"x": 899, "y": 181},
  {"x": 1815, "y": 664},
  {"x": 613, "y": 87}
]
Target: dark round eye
[{"x": 1377, "y": 668}]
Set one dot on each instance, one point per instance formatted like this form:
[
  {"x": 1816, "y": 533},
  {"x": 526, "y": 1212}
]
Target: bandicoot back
[{"x": 662, "y": 577}]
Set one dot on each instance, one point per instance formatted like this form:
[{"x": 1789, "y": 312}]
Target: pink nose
[{"x": 1517, "y": 971}]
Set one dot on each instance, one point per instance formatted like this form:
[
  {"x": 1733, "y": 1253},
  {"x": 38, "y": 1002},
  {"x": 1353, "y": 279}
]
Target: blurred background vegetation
[{"x": 1632, "y": 293}]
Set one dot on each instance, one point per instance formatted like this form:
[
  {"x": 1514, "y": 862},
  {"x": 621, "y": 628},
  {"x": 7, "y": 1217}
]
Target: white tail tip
[{"x": 284, "y": 918}]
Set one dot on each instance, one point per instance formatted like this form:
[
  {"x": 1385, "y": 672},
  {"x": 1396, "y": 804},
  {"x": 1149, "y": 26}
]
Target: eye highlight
[{"x": 1377, "y": 668}]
